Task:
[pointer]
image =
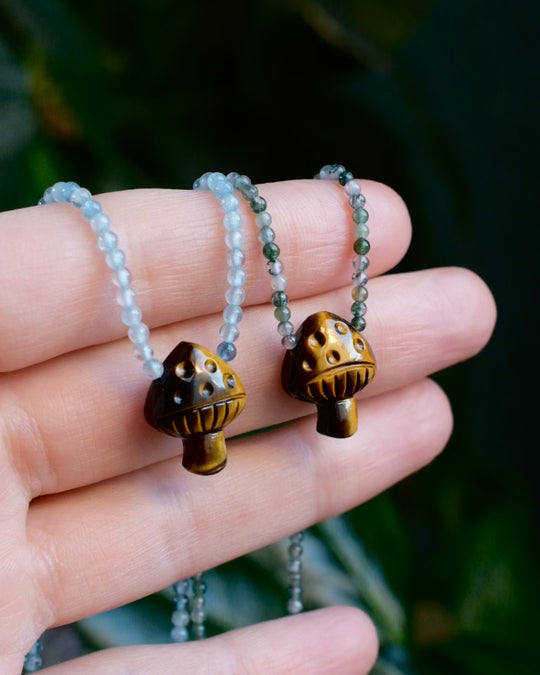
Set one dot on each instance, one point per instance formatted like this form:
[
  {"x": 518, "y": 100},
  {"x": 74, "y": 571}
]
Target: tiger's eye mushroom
[
  {"x": 330, "y": 363},
  {"x": 197, "y": 395}
]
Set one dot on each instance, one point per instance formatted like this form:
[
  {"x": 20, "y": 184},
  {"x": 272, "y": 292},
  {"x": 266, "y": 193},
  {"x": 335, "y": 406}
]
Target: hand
[{"x": 95, "y": 507}]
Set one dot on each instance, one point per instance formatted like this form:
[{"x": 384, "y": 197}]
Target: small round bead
[
  {"x": 357, "y": 201},
  {"x": 219, "y": 185},
  {"x": 285, "y": 328},
  {"x": 233, "y": 314},
  {"x": 358, "y": 308},
  {"x": 234, "y": 239},
  {"x": 107, "y": 241},
  {"x": 360, "y": 263},
  {"x": 249, "y": 192},
  {"x": 48, "y": 196},
  {"x": 57, "y": 192},
  {"x": 80, "y": 196},
  {"x": 226, "y": 351},
  {"x": 279, "y": 283},
  {"x": 202, "y": 182},
  {"x": 344, "y": 177},
  {"x": 361, "y": 246},
  {"x": 41, "y": 202},
  {"x": 294, "y": 566},
  {"x": 131, "y": 315},
  {"x": 336, "y": 170},
  {"x": 361, "y": 231},
  {"x": 180, "y": 618},
  {"x": 235, "y": 257},
  {"x": 288, "y": 341},
  {"x": 359, "y": 293},
  {"x": 266, "y": 235},
  {"x": 326, "y": 172},
  {"x": 138, "y": 333},
  {"x": 263, "y": 219},
  {"x": 258, "y": 204},
  {"x": 237, "y": 276},
  {"x": 179, "y": 634},
  {"x": 229, "y": 332},
  {"x": 274, "y": 268},
  {"x": 232, "y": 219},
  {"x": 91, "y": 208},
  {"x": 282, "y": 314},
  {"x": 241, "y": 181},
  {"x": 279, "y": 299},
  {"x": 122, "y": 277},
  {"x": 115, "y": 259},
  {"x": 360, "y": 279},
  {"x": 359, "y": 323},
  {"x": 229, "y": 203},
  {"x": 360, "y": 216},
  {"x": 100, "y": 223},
  {"x": 352, "y": 188},
  {"x": 198, "y": 615},
  {"x": 294, "y": 606},
  {"x": 235, "y": 295},
  {"x": 126, "y": 297},
  {"x": 69, "y": 187},
  {"x": 153, "y": 369},
  {"x": 232, "y": 176},
  {"x": 143, "y": 352},
  {"x": 295, "y": 550},
  {"x": 271, "y": 251}
]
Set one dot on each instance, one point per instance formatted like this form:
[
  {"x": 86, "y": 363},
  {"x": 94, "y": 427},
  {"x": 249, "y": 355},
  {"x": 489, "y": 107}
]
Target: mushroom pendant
[
  {"x": 329, "y": 364},
  {"x": 197, "y": 395}
]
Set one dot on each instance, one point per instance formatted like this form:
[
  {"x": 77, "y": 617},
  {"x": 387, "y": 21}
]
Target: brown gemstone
[
  {"x": 330, "y": 363},
  {"x": 195, "y": 398}
]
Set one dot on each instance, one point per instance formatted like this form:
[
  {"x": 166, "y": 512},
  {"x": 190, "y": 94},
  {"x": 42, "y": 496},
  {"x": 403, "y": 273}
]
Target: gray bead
[
  {"x": 295, "y": 606},
  {"x": 179, "y": 634}
]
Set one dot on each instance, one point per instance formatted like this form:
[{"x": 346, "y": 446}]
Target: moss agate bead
[
  {"x": 271, "y": 251},
  {"x": 361, "y": 246}
]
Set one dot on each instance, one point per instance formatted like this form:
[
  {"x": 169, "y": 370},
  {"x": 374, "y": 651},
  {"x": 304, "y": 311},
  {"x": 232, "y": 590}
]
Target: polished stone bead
[
  {"x": 358, "y": 322},
  {"x": 288, "y": 341},
  {"x": 100, "y": 223},
  {"x": 279, "y": 299},
  {"x": 358, "y": 308},
  {"x": 361, "y": 246},
  {"x": 266, "y": 235},
  {"x": 282, "y": 313},
  {"x": 359, "y": 293},
  {"x": 285, "y": 328},
  {"x": 344, "y": 177},
  {"x": 91, "y": 208},
  {"x": 361, "y": 231},
  {"x": 271, "y": 251},
  {"x": 258, "y": 204},
  {"x": 226, "y": 351},
  {"x": 235, "y": 295},
  {"x": 279, "y": 283},
  {"x": 263, "y": 219},
  {"x": 274, "y": 268},
  {"x": 360, "y": 216},
  {"x": 357, "y": 201},
  {"x": 352, "y": 188}
]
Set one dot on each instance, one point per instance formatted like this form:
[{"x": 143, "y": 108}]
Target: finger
[
  {"x": 132, "y": 535},
  {"x": 89, "y": 426},
  {"x": 335, "y": 641},
  {"x": 61, "y": 297}
]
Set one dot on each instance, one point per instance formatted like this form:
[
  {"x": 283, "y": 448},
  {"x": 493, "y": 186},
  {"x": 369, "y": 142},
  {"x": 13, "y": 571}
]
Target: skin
[{"x": 95, "y": 509}]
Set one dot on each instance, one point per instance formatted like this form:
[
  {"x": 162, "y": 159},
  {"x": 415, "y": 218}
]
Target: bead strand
[
  {"x": 271, "y": 251},
  {"x": 294, "y": 573},
  {"x": 236, "y": 276},
  {"x": 361, "y": 244},
  {"x": 33, "y": 660},
  {"x": 180, "y": 616},
  {"x": 198, "y": 614},
  {"x": 138, "y": 332}
]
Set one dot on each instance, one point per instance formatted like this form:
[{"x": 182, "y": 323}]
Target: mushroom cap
[
  {"x": 198, "y": 393},
  {"x": 331, "y": 361}
]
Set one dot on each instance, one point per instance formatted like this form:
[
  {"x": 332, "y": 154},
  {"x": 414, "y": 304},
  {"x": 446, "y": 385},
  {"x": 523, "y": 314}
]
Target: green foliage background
[{"x": 434, "y": 98}]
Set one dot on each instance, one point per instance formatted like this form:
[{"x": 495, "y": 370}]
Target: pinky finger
[{"x": 334, "y": 641}]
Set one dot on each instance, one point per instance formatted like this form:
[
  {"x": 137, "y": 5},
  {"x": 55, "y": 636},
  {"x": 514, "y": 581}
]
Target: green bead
[
  {"x": 279, "y": 299},
  {"x": 360, "y": 216},
  {"x": 249, "y": 191},
  {"x": 282, "y": 314},
  {"x": 345, "y": 177},
  {"x": 359, "y": 323},
  {"x": 358, "y": 308},
  {"x": 271, "y": 251},
  {"x": 359, "y": 293},
  {"x": 361, "y": 246},
  {"x": 258, "y": 204}
]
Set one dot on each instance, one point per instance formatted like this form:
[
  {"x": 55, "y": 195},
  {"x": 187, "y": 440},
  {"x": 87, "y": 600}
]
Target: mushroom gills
[{"x": 195, "y": 398}]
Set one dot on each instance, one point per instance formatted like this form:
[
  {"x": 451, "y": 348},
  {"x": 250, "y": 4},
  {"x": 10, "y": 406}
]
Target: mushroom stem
[
  {"x": 204, "y": 454},
  {"x": 337, "y": 419}
]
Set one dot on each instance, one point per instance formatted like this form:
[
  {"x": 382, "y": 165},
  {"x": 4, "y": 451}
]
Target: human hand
[{"x": 96, "y": 509}]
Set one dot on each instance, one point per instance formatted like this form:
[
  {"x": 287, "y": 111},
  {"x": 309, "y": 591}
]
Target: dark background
[{"x": 437, "y": 99}]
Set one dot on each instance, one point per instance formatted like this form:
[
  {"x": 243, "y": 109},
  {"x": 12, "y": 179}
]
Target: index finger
[{"x": 58, "y": 294}]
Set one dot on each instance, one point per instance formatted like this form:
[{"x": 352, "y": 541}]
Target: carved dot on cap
[
  {"x": 359, "y": 345},
  {"x": 333, "y": 357},
  {"x": 184, "y": 370},
  {"x": 307, "y": 366},
  {"x": 206, "y": 390},
  {"x": 317, "y": 339},
  {"x": 230, "y": 380},
  {"x": 210, "y": 366},
  {"x": 177, "y": 398},
  {"x": 341, "y": 328}
]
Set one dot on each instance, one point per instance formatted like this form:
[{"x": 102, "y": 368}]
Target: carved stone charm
[
  {"x": 330, "y": 363},
  {"x": 197, "y": 395}
]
